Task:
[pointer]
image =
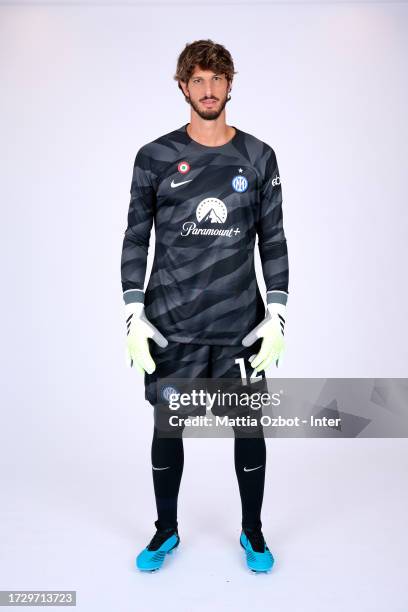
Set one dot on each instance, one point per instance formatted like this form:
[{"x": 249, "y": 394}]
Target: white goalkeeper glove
[
  {"x": 271, "y": 329},
  {"x": 139, "y": 329}
]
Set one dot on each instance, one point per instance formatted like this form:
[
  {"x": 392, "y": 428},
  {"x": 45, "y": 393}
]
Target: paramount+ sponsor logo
[{"x": 210, "y": 213}]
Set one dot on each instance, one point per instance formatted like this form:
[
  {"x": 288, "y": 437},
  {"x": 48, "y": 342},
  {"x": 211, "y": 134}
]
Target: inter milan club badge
[
  {"x": 183, "y": 167},
  {"x": 167, "y": 392},
  {"x": 239, "y": 183}
]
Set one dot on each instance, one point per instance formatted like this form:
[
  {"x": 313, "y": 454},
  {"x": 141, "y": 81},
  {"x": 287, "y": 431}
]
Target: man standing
[{"x": 210, "y": 189}]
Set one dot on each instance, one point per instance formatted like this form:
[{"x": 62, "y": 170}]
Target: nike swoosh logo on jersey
[
  {"x": 165, "y": 468},
  {"x": 173, "y": 184},
  {"x": 252, "y": 469}
]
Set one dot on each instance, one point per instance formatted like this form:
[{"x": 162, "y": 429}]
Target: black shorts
[{"x": 180, "y": 367}]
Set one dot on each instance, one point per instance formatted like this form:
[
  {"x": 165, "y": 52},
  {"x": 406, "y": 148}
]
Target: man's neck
[{"x": 210, "y": 133}]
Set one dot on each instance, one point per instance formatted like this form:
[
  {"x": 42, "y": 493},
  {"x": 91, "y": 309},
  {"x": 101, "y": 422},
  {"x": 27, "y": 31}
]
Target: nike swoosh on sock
[{"x": 252, "y": 469}]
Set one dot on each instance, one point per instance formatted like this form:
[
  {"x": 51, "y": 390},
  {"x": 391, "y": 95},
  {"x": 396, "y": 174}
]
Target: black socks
[
  {"x": 167, "y": 467},
  {"x": 250, "y": 458}
]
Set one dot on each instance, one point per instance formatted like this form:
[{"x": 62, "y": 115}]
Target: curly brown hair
[{"x": 206, "y": 54}]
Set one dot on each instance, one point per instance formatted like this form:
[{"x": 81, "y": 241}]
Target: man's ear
[{"x": 183, "y": 85}]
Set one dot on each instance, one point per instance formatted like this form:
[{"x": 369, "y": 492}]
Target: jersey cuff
[
  {"x": 131, "y": 296},
  {"x": 276, "y": 297}
]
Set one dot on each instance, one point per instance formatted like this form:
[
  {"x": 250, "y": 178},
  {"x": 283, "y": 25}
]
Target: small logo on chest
[
  {"x": 239, "y": 183},
  {"x": 173, "y": 184},
  {"x": 183, "y": 167}
]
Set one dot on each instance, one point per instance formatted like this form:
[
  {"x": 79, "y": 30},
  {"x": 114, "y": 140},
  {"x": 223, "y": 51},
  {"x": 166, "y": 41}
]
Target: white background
[{"x": 83, "y": 86}]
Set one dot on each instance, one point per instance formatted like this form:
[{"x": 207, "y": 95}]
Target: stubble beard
[{"x": 209, "y": 114}]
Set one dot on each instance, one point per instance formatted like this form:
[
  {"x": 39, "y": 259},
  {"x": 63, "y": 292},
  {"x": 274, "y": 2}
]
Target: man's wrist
[
  {"x": 131, "y": 296},
  {"x": 276, "y": 303},
  {"x": 134, "y": 308},
  {"x": 276, "y": 296}
]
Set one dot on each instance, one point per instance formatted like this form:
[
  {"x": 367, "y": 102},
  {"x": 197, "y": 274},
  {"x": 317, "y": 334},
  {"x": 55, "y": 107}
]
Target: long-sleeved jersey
[{"x": 207, "y": 203}]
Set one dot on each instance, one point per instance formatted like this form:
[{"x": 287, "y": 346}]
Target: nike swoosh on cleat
[
  {"x": 252, "y": 469},
  {"x": 165, "y": 468},
  {"x": 173, "y": 184}
]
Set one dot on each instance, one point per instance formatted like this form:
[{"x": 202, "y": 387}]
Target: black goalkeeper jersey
[{"x": 207, "y": 204}]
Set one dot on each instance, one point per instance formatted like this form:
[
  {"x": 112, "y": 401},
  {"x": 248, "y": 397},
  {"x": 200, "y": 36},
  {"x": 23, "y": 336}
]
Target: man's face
[{"x": 207, "y": 92}]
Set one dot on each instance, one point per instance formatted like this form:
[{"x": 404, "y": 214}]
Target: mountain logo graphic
[
  {"x": 213, "y": 217},
  {"x": 211, "y": 210}
]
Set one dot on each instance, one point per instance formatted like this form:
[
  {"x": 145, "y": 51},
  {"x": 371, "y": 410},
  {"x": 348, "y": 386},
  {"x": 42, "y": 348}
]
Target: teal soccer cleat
[
  {"x": 258, "y": 556},
  {"x": 163, "y": 542}
]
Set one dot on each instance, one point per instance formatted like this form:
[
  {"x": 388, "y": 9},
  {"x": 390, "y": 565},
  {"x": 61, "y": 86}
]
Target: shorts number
[{"x": 254, "y": 376}]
